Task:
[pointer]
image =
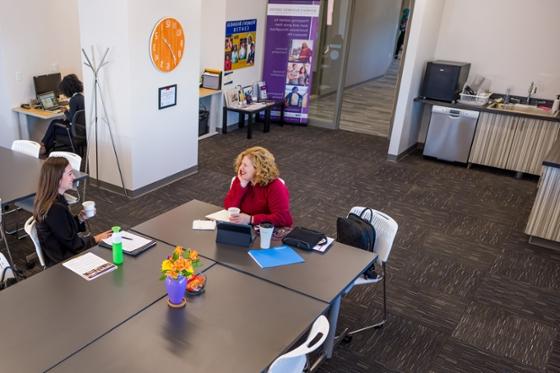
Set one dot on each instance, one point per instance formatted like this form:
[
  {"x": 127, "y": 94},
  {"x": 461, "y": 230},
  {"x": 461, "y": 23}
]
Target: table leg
[
  {"x": 333, "y": 318},
  {"x": 23, "y": 126},
  {"x": 249, "y": 126},
  {"x": 241, "y": 120},
  {"x": 224, "y": 120},
  {"x": 266, "y": 127},
  {"x": 282, "y": 106}
]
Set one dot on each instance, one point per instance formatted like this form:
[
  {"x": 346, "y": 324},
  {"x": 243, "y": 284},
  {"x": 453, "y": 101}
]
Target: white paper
[
  {"x": 130, "y": 241},
  {"x": 89, "y": 266},
  {"x": 221, "y": 215},
  {"x": 204, "y": 225},
  {"x": 323, "y": 247}
]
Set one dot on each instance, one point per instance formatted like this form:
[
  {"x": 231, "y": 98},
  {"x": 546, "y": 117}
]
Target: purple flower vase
[{"x": 176, "y": 289}]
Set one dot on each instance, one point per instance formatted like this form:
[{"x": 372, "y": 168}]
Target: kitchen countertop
[
  {"x": 552, "y": 159},
  {"x": 458, "y": 105}
]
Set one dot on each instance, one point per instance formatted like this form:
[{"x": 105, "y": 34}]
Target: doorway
[{"x": 356, "y": 73}]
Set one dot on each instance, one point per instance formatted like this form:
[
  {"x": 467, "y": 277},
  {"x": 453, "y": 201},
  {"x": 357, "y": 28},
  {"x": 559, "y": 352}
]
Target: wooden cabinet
[
  {"x": 512, "y": 142},
  {"x": 532, "y": 141},
  {"x": 493, "y": 139}
]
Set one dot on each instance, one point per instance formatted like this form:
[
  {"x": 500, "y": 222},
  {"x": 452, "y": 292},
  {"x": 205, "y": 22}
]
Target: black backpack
[{"x": 356, "y": 230}]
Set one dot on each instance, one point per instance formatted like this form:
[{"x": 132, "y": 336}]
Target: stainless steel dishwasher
[{"x": 450, "y": 134}]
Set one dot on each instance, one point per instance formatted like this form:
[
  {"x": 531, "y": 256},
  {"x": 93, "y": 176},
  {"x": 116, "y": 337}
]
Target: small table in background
[
  {"x": 24, "y": 114},
  {"x": 252, "y": 110}
]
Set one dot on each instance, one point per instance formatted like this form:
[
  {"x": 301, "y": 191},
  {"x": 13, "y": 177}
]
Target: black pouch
[{"x": 303, "y": 238}]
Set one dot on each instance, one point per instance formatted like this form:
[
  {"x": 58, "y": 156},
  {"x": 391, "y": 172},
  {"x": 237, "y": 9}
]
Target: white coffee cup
[
  {"x": 89, "y": 208},
  {"x": 266, "y": 230},
  {"x": 233, "y": 211}
]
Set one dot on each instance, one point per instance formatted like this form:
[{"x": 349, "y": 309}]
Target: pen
[{"x": 127, "y": 238}]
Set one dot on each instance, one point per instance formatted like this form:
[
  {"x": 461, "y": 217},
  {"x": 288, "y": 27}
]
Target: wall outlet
[{"x": 19, "y": 76}]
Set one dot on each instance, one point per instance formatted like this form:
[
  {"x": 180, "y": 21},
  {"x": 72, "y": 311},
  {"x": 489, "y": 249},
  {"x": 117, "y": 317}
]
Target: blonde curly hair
[{"x": 264, "y": 163}]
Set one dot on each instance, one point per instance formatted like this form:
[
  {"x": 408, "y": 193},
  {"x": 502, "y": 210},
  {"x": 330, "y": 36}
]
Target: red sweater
[{"x": 270, "y": 203}]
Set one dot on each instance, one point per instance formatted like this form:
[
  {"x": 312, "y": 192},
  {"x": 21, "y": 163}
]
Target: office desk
[
  {"x": 23, "y": 118},
  {"x": 240, "y": 324},
  {"x": 252, "y": 113},
  {"x": 211, "y": 99},
  {"x": 321, "y": 276},
  {"x": 55, "y": 313}
]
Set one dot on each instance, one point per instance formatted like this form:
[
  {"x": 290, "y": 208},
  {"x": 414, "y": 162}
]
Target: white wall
[
  {"x": 512, "y": 42},
  {"x": 424, "y": 29},
  {"x": 374, "y": 31},
  {"x": 24, "y": 28},
  {"x": 152, "y": 144}
]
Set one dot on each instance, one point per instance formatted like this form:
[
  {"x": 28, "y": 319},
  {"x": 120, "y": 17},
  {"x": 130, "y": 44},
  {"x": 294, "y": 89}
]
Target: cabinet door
[
  {"x": 532, "y": 141},
  {"x": 493, "y": 139}
]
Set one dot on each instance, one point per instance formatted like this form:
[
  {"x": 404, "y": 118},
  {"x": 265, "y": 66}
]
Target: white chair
[
  {"x": 295, "y": 360},
  {"x": 76, "y": 162},
  {"x": 385, "y": 231},
  {"x": 31, "y": 230},
  {"x": 27, "y": 147}
]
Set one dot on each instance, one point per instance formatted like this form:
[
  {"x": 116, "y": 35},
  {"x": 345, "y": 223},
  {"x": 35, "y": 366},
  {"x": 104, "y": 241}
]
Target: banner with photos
[
  {"x": 290, "y": 40},
  {"x": 240, "y": 43}
]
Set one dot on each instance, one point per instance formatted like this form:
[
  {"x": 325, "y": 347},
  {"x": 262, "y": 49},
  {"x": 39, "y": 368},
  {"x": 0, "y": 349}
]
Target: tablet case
[{"x": 234, "y": 234}]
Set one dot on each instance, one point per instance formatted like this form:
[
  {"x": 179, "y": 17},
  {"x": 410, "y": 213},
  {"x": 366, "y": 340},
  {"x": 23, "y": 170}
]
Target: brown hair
[
  {"x": 263, "y": 161},
  {"x": 47, "y": 192}
]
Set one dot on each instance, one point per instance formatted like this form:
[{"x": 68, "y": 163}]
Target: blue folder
[{"x": 276, "y": 256}]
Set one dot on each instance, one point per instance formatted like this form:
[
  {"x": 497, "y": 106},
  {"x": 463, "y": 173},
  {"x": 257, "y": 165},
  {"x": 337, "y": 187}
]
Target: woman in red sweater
[{"x": 258, "y": 191}]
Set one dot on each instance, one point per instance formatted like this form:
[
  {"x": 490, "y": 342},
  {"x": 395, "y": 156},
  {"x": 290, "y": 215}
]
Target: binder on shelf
[{"x": 275, "y": 257}]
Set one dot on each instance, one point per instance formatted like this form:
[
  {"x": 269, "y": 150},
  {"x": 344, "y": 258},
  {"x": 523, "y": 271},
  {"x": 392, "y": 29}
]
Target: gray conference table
[
  {"x": 240, "y": 324},
  {"x": 54, "y": 314},
  {"x": 322, "y": 276},
  {"x": 19, "y": 175}
]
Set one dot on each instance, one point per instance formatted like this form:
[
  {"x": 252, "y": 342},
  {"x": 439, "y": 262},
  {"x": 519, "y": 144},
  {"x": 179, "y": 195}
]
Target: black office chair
[{"x": 75, "y": 139}]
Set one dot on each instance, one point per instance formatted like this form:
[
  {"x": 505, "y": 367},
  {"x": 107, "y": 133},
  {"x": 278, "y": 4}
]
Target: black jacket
[
  {"x": 58, "y": 233},
  {"x": 76, "y": 103}
]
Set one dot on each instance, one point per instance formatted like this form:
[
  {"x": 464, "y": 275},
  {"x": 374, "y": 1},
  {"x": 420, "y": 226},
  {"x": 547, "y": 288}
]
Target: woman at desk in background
[
  {"x": 57, "y": 228},
  {"x": 258, "y": 191},
  {"x": 72, "y": 88}
]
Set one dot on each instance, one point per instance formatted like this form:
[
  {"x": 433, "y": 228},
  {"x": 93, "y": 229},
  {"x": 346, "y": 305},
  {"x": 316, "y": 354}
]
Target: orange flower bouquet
[{"x": 176, "y": 270}]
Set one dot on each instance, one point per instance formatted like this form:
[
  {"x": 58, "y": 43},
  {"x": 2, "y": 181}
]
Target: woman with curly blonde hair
[{"x": 258, "y": 191}]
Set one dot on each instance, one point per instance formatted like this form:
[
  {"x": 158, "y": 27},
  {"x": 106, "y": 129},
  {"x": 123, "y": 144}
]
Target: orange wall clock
[{"x": 167, "y": 44}]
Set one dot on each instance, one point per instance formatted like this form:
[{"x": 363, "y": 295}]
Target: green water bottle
[{"x": 118, "y": 257}]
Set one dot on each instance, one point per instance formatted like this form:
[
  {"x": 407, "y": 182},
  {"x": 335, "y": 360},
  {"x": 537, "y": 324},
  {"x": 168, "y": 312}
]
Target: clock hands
[{"x": 171, "y": 50}]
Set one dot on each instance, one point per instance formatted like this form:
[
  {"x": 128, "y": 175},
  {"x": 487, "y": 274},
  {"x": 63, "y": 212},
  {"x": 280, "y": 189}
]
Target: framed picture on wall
[{"x": 167, "y": 96}]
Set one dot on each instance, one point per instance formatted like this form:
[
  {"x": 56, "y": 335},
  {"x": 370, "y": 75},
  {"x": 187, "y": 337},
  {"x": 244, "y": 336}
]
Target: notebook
[
  {"x": 133, "y": 244},
  {"x": 48, "y": 101},
  {"x": 275, "y": 257}
]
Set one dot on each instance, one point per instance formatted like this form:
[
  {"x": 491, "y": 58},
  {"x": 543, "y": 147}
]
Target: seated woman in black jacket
[
  {"x": 72, "y": 88},
  {"x": 57, "y": 228}
]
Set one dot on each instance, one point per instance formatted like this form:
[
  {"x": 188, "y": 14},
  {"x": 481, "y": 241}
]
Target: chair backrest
[
  {"x": 74, "y": 159},
  {"x": 294, "y": 361},
  {"x": 385, "y": 230},
  {"x": 31, "y": 230},
  {"x": 27, "y": 147},
  {"x": 79, "y": 127}
]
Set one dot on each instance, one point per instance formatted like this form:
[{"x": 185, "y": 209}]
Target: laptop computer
[{"x": 49, "y": 101}]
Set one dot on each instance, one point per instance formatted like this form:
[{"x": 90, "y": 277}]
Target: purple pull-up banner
[{"x": 291, "y": 29}]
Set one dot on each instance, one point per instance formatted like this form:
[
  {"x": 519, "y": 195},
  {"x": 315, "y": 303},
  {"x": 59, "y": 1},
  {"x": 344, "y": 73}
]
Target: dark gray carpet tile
[
  {"x": 493, "y": 329},
  {"x": 525, "y": 265},
  {"x": 472, "y": 228},
  {"x": 553, "y": 364},
  {"x": 344, "y": 360},
  {"x": 401, "y": 345},
  {"x": 469, "y": 253},
  {"x": 520, "y": 299},
  {"x": 459, "y": 357},
  {"x": 442, "y": 274},
  {"x": 428, "y": 306},
  {"x": 408, "y": 213}
]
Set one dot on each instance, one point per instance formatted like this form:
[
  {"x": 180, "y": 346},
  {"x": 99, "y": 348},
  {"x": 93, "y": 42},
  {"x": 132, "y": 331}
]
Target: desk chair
[
  {"x": 385, "y": 231},
  {"x": 30, "y": 148},
  {"x": 31, "y": 230},
  {"x": 75, "y": 138},
  {"x": 295, "y": 360}
]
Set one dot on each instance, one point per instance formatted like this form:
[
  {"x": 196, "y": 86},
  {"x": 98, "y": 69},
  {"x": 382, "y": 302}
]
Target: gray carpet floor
[{"x": 466, "y": 292}]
